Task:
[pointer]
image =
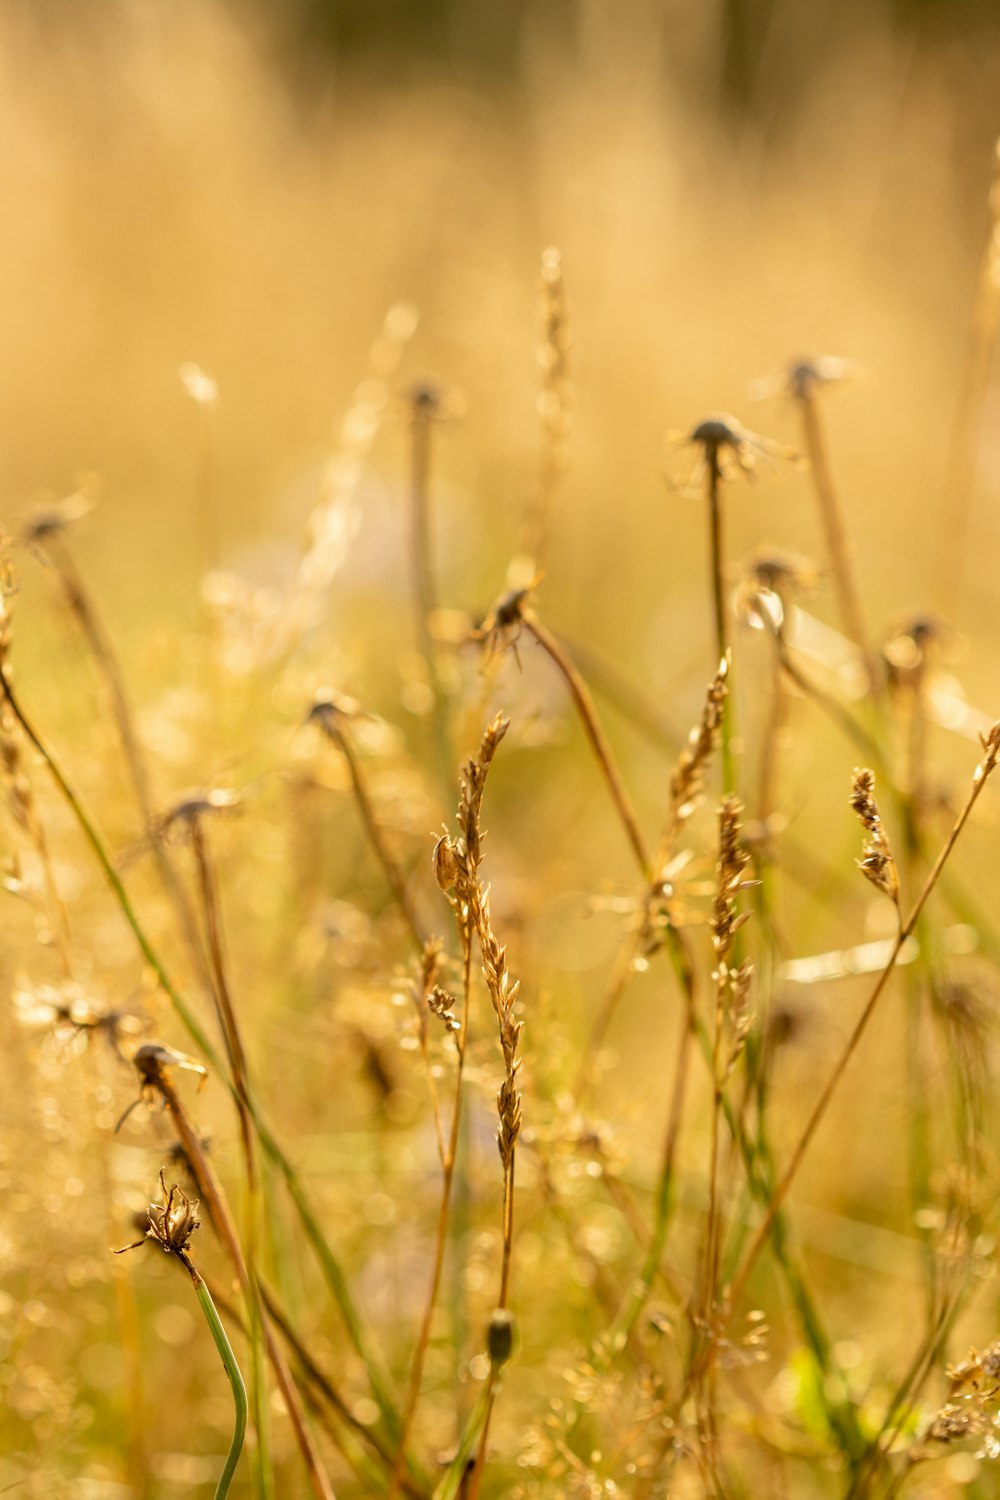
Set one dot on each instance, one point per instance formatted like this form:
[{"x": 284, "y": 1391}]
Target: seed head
[
  {"x": 172, "y": 1222},
  {"x": 877, "y": 862}
]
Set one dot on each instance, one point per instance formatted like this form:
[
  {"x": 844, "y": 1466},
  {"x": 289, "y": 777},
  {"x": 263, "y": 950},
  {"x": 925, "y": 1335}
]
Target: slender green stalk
[
  {"x": 235, "y": 1380},
  {"x": 332, "y": 1270},
  {"x": 253, "y": 1205}
]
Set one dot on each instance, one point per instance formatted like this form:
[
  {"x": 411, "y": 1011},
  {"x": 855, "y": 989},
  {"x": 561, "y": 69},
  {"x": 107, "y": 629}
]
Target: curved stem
[{"x": 235, "y": 1379}]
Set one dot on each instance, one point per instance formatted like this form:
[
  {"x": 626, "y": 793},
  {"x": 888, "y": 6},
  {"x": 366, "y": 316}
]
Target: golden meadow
[{"x": 498, "y": 647}]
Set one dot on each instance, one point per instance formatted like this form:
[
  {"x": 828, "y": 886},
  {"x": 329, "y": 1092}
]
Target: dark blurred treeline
[
  {"x": 745, "y": 56},
  {"x": 489, "y": 35}
]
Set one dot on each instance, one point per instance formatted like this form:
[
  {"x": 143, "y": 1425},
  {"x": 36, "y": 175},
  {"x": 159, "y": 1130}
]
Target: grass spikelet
[{"x": 877, "y": 862}]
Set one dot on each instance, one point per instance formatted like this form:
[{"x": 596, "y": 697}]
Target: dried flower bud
[{"x": 500, "y": 1336}]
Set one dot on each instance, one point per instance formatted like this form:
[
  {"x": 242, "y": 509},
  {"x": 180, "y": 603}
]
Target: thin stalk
[
  {"x": 631, "y": 1311},
  {"x": 713, "y": 484},
  {"x": 325, "y": 1389},
  {"x": 991, "y": 746},
  {"x": 580, "y": 694},
  {"x": 232, "y": 1370},
  {"x": 156, "y": 1076},
  {"x": 263, "y": 1468},
  {"x": 336, "y": 730},
  {"x": 448, "y": 1162},
  {"x": 425, "y": 405},
  {"x": 332, "y": 1270},
  {"x": 608, "y": 680},
  {"x": 838, "y": 551},
  {"x": 82, "y": 608},
  {"x": 456, "y": 1480}
]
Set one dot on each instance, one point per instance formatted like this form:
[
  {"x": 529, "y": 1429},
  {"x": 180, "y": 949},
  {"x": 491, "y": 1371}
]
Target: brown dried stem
[
  {"x": 333, "y": 718},
  {"x": 154, "y": 1071}
]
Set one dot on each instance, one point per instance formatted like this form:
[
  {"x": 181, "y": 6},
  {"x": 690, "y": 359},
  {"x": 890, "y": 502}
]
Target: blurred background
[{"x": 251, "y": 187}]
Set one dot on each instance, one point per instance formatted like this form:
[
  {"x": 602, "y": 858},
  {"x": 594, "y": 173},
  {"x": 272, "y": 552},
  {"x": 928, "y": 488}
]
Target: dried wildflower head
[
  {"x": 429, "y": 401},
  {"x": 501, "y": 625},
  {"x": 154, "y": 1064},
  {"x": 719, "y": 447},
  {"x": 877, "y": 863},
  {"x": 50, "y": 518},
  {"x": 331, "y": 711},
  {"x": 75, "y": 1017},
  {"x": 171, "y": 1223},
  {"x": 804, "y": 376},
  {"x": 180, "y": 818},
  {"x": 913, "y": 647}
]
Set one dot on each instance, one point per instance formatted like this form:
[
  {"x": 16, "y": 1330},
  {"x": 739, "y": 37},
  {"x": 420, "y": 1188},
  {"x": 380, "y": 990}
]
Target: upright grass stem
[
  {"x": 804, "y": 383},
  {"x": 448, "y": 1164},
  {"x": 580, "y": 694},
  {"x": 235, "y": 1380},
  {"x": 332, "y": 1270},
  {"x": 254, "y": 1205},
  {"x": 425, "y": 405},
  {"x": 171, "y": 1225},
  {"x": 333, "y": 720},
  {"x": 991, "y": 750}
]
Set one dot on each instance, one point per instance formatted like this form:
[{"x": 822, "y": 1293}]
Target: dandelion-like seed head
[
  {"x": 719, "y": 447},
  {"x": 804, "y": 376}
]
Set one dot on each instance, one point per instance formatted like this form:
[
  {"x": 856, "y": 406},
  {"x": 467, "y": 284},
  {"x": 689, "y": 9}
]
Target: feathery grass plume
[
  {"x": 456, "y": 869},
  {"x": 732, "y": 984},
  {"x": 687, "y": 782},
  {"x": 555, "y": 411},
  {"x": 457, "y": 862},
  {"x": 726, "y": 919},
  {"x": 877, "y": 863},
  {"x": 171, "y": 1224}
]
